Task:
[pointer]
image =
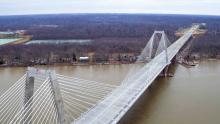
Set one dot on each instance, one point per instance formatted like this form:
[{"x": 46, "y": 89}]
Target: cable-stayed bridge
[{"x": 42, "y": 96}]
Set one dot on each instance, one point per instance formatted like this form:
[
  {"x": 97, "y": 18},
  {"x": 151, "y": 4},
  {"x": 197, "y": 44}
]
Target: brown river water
[{"x": 192, "y": 96}]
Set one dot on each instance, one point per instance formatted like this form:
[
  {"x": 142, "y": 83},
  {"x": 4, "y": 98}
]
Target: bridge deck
[{"x": 114, "y": 106}]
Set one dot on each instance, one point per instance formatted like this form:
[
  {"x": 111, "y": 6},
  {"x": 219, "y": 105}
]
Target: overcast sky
[{"x": 20, "y": 7}]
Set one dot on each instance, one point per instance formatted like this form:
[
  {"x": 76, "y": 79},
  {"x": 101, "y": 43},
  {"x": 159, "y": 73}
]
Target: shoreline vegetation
[
  {"x": 185, "y": 64},
  {"x": 69, "y": 64}
]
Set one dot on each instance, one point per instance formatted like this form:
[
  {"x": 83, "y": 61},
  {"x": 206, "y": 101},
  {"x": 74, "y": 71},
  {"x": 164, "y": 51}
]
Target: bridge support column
[
  {"x": 166, "y": 71},
  {"x": 57, "y": 98},
  {"x": 28, "y": 96}
]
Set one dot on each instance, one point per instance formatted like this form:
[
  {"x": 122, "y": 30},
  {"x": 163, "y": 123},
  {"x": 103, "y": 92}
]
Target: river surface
[
  {"x": 5, "y": 41},
  {"x": 192, "y": 96},
  {"x": 82, "y": 41}
]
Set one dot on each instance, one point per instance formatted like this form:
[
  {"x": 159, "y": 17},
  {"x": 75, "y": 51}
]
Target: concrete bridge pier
[{"x": 166, "y": 71}]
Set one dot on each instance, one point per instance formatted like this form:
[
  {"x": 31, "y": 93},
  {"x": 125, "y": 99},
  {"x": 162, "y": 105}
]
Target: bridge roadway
[{"x": 111, "y": 109}]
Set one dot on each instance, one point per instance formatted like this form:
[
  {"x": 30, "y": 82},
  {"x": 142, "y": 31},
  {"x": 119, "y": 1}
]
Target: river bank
[
  {"x": 188, "y": 64},
  {"x": 67, "y": 64}
]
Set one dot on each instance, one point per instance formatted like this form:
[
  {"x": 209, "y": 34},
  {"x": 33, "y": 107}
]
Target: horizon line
[{"x": 108, "y": 13}]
